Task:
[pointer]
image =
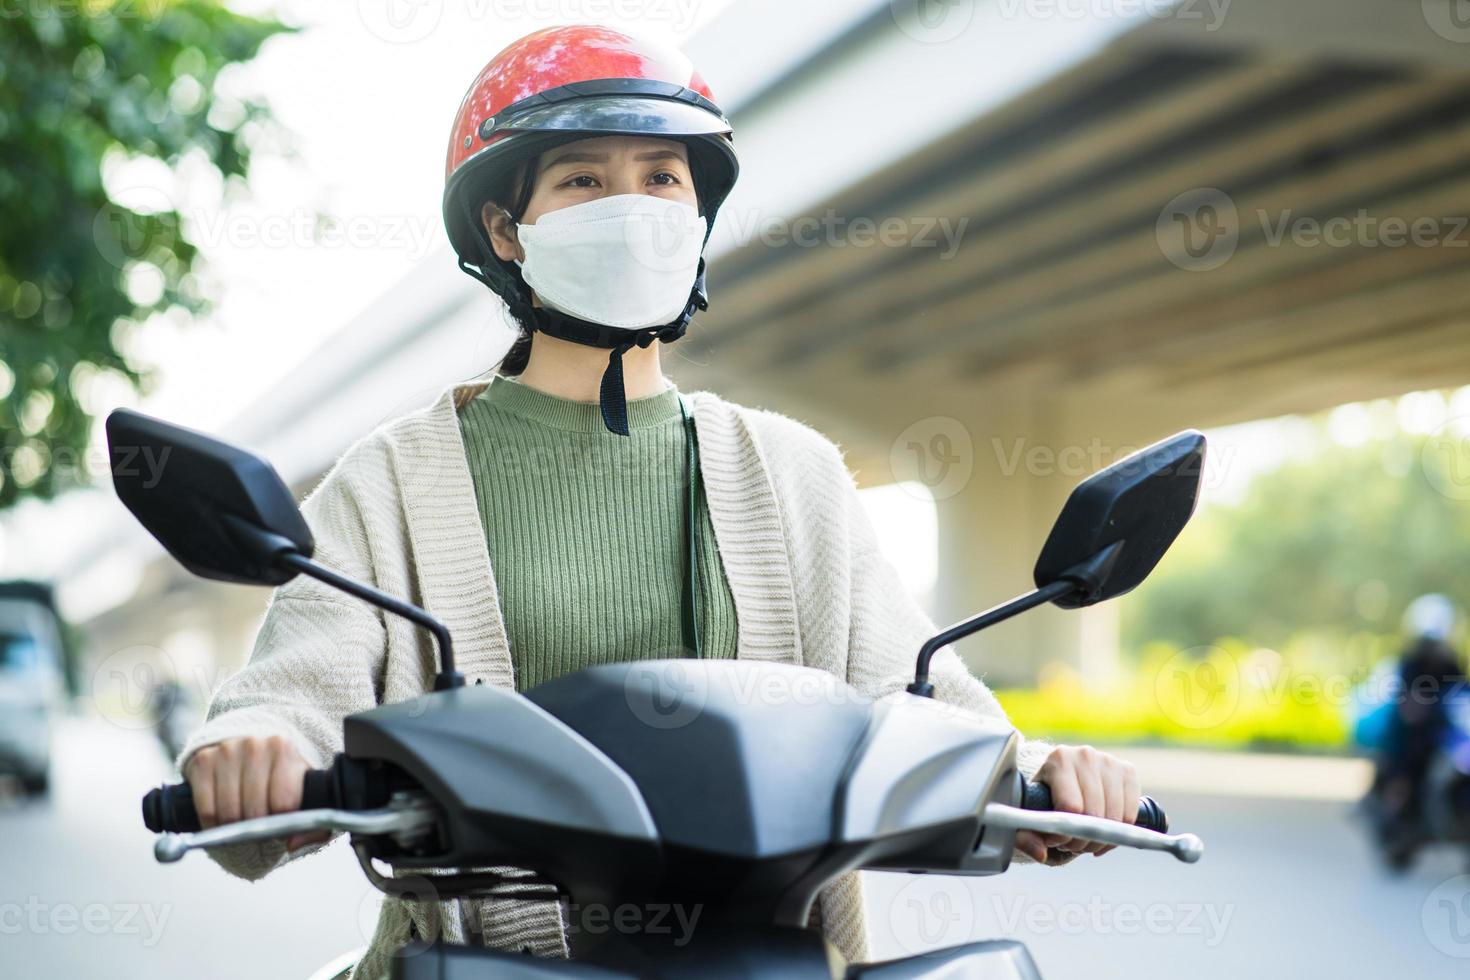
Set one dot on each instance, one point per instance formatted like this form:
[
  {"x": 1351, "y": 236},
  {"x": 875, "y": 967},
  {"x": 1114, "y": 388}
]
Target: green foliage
[
  {"x": 1338, "y": 543},
  {"x": 80, "y": 82},
  {"x": 1265, "y": 616}
]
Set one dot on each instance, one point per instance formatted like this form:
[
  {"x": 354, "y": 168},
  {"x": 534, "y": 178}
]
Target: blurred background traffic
[{"x": 988, "y": 246}]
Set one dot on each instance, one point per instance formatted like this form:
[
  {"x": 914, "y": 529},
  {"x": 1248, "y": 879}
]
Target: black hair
[{"x": 515, "y": 187}]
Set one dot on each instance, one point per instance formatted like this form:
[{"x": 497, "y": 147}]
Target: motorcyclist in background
[{"x": 1429, "y": 671}]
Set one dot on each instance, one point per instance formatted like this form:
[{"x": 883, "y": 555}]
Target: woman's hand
[
  {"x": 244, "y": 778},
  {"x": 1086, "y": 781}
]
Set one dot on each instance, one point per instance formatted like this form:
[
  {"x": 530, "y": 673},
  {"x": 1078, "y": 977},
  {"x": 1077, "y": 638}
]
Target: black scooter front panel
[
  {"x": 708, "y": 953},
  {"x": 515, "y": 784},
  {"x": 734, "y": 758}
]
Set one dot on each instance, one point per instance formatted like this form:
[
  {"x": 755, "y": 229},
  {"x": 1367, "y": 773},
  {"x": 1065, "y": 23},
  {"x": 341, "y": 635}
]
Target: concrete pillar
[{"x": 1025, "y": 462}]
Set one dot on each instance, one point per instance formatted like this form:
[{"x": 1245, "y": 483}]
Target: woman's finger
[
  {"x": 255, "y": 778},
  {"x": 1032, "y": 845},
  {"x": 287, "y": 773},
  {"x": 1094, "y": 798},
  {"x": 227, "y": 785},
  {"x": 1114, "y": 790},
  {"x": 201, "y": 782},
  {"x": 1132, "y": 793}
]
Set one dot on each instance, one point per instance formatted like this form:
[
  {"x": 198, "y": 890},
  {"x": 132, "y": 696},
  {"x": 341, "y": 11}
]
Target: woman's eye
[
  {"x": 582, "y": 180},
  {"x": 664, "y": 177}
]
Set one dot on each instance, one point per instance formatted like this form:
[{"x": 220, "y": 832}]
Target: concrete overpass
[
  {"x": 1145, "y": 242},
  {"x": 1130, "y": 198}
]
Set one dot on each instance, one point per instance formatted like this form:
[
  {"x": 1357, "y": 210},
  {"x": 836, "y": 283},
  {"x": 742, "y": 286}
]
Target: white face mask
[{"x": 627, "y": 261}]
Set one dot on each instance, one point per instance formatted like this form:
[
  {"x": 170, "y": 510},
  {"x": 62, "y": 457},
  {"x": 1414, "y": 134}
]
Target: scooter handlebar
[
  {"x": 1151, "y": 816},
  {"x": 170, "y": 809}
]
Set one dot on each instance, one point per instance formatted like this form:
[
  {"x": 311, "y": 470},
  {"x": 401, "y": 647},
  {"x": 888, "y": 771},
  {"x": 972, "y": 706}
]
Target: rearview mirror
[
  {"x": 222, "y": 512},
  {"x": 1112, "y": 532},
  {"x": 1118, "y": 522},
  {"x": 226, "y": 514}
]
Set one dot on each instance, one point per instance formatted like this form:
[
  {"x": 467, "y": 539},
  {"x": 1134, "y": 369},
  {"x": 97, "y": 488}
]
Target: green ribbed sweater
[{"x": 586, "y": 531}]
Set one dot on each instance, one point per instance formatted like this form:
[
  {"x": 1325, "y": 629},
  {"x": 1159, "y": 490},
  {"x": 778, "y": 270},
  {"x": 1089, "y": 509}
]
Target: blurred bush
[{"x": 1226, "y": 695}]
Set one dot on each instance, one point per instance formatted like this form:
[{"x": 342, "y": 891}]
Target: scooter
[
  {"x": 1441, "y": 813},
  {"x": 585, "y": 780}
]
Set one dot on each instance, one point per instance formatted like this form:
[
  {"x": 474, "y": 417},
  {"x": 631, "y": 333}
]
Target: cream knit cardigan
[{"x": 398, "y": 510}]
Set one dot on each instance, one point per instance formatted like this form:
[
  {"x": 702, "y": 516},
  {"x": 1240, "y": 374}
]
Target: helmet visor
[{"x": 615, "y": 115}]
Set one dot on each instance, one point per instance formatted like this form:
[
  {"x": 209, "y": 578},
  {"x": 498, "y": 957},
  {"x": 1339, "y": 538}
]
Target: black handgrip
[
  {"x": 1151, "y": 816},
  {"x": 170, "y": 809}
]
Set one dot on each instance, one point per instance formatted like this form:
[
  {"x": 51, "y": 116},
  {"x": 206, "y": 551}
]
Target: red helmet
[{"x": 569, "y": 83}]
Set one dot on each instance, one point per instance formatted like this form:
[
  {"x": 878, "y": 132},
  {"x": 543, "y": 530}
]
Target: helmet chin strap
[{"x": 612, "y": 397}]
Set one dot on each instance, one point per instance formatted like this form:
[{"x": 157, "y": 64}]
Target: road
[
  {"x": 81, "y": 896},
  {"x": 1287, "y": 889}
]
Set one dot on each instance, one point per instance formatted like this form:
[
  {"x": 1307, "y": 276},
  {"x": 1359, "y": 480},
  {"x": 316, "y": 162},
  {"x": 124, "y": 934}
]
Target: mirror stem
[
  {"x": 989, "y": 617},
  {"x": 447, "y": 677}
]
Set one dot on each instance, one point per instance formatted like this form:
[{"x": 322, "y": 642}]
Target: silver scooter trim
[
  {"x": 404, "y": 819},
  {"x": 1186, "y": 847}
]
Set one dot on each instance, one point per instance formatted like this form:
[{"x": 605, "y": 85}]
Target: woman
[{"x": 543, "y": 516}]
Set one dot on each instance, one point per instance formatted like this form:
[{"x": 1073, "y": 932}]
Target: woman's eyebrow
[{"x": 575, "y": 156}]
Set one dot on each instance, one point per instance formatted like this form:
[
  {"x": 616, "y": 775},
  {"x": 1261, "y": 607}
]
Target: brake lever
[
  {"x": 404, "y": 818},
  {"x": 1186, "y": 847}
]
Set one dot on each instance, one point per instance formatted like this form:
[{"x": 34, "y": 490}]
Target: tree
[
  {"x": 1331, "y": 545},
  {"x": 80, "y": 82}
]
